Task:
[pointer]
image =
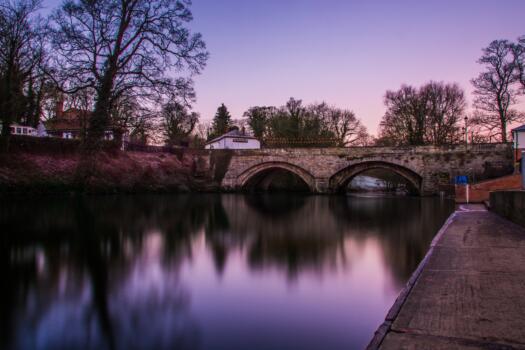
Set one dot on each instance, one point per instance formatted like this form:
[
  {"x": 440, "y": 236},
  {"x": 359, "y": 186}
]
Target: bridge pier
[{"x": 322, "y": 185}]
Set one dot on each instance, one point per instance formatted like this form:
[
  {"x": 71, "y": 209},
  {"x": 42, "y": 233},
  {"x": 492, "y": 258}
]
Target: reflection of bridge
[{"x": 327, "y": 170}]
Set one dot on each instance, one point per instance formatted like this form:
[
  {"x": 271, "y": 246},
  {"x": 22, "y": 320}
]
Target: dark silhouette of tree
[
  {"x": 404, "y": 120},
  {"x": 296, "y": 111},
  {"x": 178, "y": 122},
  {"x": 125, "y": 47},
  {"x": 346, "y": 128},
  {"x": 129, "y": 115},
  {"x": 494, "y": 89},
  {"x": 258, "y": 118},
  {"x": 221, "y": 122},
  {"x": 297, "y": 125},
  {"x": 518, "y": 50},
  {"x": 21, "y": 57},
  {"x": 446, "y": 106},
  {"x": 314, "y": 125},
  {"x": 428, "y": 115}
]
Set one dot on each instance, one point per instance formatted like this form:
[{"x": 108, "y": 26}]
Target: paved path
[{"x": 469, "y": 291}]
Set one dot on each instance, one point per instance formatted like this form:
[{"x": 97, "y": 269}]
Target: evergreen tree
[{"x": 221, "y": 122}]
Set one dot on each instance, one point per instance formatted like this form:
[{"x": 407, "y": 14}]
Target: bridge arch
[
  {"x": 253, "y": 174},
  {"x": 342, "y": 178}
]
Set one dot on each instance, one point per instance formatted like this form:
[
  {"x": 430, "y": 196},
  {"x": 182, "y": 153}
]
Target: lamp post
[{"x": 466, "y": 130}]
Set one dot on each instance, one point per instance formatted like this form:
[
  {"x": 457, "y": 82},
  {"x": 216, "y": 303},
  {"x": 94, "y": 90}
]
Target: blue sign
[{"x": 461, "y": 180}]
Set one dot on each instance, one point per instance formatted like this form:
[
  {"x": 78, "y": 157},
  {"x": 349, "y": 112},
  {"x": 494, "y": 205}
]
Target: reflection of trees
[
  {"x": 276, "y": 204},
  {"x": 216, "y": 228},
  {"x": 17, "y": 277},
  {"x": 301, "y": 237},
  {"x": 92, "y": 259},
  {"x": 310, "y": 235},
  {"x": 404, "y": 226},
  {"x": 92, "y": 247}
]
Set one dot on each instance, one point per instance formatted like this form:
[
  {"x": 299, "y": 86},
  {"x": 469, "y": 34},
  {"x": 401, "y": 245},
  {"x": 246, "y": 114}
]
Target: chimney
[{"x": 59, "y": 108}]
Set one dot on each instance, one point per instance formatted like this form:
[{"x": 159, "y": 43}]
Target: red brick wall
[{"x": 480, "y": 192}]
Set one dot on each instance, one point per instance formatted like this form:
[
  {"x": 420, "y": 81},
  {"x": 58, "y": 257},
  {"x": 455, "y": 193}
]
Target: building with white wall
[
  {"x": 518, "y": 138},
  {"x": 18, "y": 129},
  {"x": 234, "y": 139}
]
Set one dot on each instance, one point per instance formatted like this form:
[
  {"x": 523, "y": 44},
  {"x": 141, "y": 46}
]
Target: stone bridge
[{"x": 327, "y": 170}]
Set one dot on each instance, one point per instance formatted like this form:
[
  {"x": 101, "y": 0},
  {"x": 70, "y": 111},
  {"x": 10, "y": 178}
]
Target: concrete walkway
[{"x": 468, "y": 292}]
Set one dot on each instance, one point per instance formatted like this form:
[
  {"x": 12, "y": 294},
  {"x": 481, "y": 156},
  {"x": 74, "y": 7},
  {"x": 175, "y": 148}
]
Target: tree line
[
  {"x": 432, "y": 114},
  {"x": 296, "y": 124},
  {"x": 130, "y": 64},
  {"x": 435, "y": 113}
]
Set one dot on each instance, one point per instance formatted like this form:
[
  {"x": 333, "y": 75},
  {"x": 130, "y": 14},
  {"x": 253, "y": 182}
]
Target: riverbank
[
  {"x": 32, "y": 172},
  {"x": 467, "y": 293}
]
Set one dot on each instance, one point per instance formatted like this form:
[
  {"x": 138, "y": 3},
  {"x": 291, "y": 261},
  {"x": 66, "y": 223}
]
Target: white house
[
  {"x": 17, "y": 129},
  {"x": 234, "y": 139}
]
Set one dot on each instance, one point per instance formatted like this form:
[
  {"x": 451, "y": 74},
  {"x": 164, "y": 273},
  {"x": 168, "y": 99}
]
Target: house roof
[
  {"x": 234, "y": 134},
  {"x": 63, "y": 124},
  {"x": 71, "y": 119},
  {"x": 519, "y": 128},
  {"x": 16, "y": 125}
]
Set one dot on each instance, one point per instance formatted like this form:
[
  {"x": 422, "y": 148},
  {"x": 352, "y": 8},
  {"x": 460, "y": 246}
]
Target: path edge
[{"x": 385, "y": 327}]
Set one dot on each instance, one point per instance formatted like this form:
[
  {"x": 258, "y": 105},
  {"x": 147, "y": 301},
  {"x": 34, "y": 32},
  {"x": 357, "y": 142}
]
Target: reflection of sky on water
[
  {"x": 352, "y": 297},
  {"x": 208, "y": 272}
]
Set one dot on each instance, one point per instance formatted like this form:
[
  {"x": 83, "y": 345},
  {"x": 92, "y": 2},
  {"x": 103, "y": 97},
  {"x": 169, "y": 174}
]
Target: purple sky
[{"x": 344, "y": 52}]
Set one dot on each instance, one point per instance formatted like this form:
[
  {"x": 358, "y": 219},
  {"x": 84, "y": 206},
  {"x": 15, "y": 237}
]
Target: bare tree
[
  {"x": 518, "y": 51},
  {"x": 139, "y": 120},
  {"x": 178, "y": 122},
  {"x": 428, "y": 115},
  {"x": 445, "y": 106},
  {"x": 125, "y": 47},
  {"x": 346, "y": 127},
  {"x": 494, "y": 89},
  {"x": 202, "y": 130},
  {"x": 405, "y": 118},
  {"x": 21, "y": 55},
  {"x": 477, "y": 129}
]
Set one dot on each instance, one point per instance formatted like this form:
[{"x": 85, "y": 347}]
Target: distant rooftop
[{"x": 519, "y": 128}]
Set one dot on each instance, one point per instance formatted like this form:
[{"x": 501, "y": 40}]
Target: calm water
[{"x": 206, "y": 271}]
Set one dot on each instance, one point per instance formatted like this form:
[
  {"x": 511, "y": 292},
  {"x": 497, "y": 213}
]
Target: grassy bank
[{"x": 42, "y": 170}]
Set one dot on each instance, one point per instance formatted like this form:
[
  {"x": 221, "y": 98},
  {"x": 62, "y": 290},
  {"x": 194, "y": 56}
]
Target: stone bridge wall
[{"x": 428, "y": 168}]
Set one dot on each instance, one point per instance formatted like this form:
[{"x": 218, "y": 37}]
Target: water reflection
[{"x": 206, "y": 271}]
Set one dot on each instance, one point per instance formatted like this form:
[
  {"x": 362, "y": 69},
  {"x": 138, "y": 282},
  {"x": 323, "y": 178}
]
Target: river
[{"x": 207, "y": 271}]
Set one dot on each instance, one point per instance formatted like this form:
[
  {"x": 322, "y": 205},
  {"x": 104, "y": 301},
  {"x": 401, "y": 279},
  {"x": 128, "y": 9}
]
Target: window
[
  {"x": 18, "y": 130},
  {"x": 240, "y": 140},
  {"x": 24, "y": 131},
  {"x": 67, "y": 135}
]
